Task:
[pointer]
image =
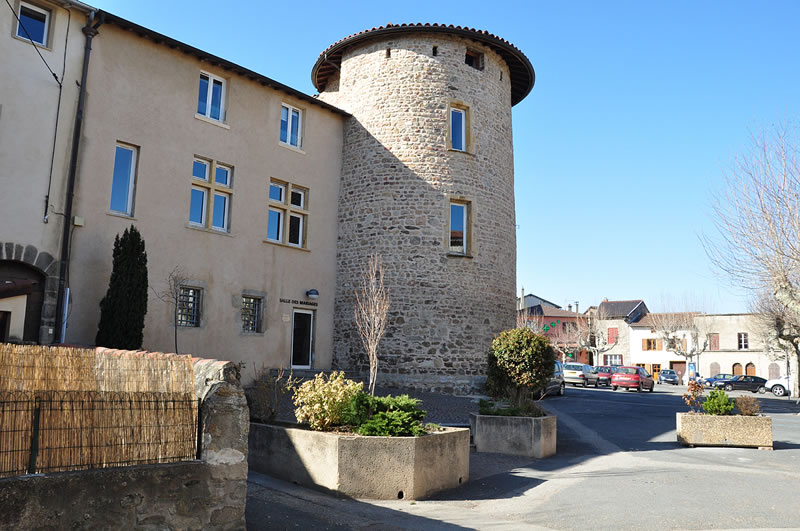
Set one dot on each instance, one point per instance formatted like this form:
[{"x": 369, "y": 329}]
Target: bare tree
[
  {"x": 371, "y": 311},
  {"x": 171, "y": 295},
  {"x": 592, "y": 335},
  {"x": 565, "y": 339},
  {"x": 758, "y": 220},
  {"x": 682, "y": 333},
  {"x": 781, "y": 339}
]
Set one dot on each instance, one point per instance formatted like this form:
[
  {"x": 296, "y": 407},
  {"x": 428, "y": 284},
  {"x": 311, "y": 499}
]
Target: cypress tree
[{"x": 123, "y": 308}]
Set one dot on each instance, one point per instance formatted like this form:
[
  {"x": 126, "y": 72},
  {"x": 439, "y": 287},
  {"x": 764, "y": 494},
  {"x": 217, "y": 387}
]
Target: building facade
[{"x": 263, "y": 203}]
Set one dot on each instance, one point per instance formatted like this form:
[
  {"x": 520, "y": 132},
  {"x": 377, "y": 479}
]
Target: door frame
[{"x": 295, "y": 311}]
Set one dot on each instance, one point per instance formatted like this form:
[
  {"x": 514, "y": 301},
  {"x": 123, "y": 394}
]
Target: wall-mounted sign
[{"x": 298, "y": 302}]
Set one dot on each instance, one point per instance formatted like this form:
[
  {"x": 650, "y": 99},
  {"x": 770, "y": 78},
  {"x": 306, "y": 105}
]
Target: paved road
[{"x": 618, "y": 466}]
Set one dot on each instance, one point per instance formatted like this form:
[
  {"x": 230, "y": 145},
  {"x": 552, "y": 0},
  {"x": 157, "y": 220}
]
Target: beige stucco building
[{"x": 262, "y": 200}]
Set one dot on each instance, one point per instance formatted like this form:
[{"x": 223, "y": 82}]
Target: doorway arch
[
  {"x": 22, "y": 293},
  {"x": 750, "y": 369},
  {"x": 737, "y": 368}
]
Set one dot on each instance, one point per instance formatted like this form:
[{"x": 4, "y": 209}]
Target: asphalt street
[{"x": 618, "y": 466}]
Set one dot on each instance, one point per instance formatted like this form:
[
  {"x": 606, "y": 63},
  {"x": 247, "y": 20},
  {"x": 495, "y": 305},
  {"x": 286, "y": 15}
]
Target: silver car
[{"x": 580, "y": 374}]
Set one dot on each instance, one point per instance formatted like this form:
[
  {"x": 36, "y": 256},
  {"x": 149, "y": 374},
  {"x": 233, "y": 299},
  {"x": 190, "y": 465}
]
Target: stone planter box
[
  {"x": 529, "y": 436},
  {"x": 382, "y": 468},
  {"x": 696, "y": 429}
]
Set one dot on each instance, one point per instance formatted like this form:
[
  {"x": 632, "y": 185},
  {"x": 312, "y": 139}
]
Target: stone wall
[
  {"x": 398, "y": 178},
  {"x": 205, "y": 494}
]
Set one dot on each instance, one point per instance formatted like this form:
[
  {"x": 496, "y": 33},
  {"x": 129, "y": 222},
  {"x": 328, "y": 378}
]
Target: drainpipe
[{"x": 90, "y": 30}]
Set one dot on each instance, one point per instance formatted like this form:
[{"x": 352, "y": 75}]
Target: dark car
[
  {"x": 556, "y": 384},
  {"x": 668, "y": 376},
  {"x": 721, "y": 377},
  {"x": 742, "y": 383},
  {"x": 604, "y": 373},
  {"x": 632, "y": 378}
]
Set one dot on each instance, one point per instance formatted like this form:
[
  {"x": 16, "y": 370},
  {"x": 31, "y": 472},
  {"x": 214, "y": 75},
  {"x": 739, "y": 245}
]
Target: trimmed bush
[
  {"x": 718, "y": 403},
  {"x": 520, "y": 362},
  {"x": 748, "y": 406},
  {"x": 323, "y": 402},
  {"x": 393, "y": 416},
  {"x": 394, "y": 423}
]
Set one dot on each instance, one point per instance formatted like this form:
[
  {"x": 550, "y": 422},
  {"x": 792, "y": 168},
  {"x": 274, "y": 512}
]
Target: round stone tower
[{"x": 427, "y": 184}]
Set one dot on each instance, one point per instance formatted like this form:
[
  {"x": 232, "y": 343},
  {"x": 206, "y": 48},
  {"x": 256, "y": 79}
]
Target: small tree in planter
[{"x": 521, "y": 363}]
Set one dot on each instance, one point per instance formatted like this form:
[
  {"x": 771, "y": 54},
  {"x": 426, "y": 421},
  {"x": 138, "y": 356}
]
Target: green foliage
[
  {"x": 393, "y": 423},
  {"x": 520, "y": 362},
  {"x": 123, "y": 308},
  {"x": 324, "y": 402},
  {"x": 718, "y": 403},
  {"x": 528, "y": 408},
  {"x": 748, "y": 406},
  {"x": 363, "y": 406}
]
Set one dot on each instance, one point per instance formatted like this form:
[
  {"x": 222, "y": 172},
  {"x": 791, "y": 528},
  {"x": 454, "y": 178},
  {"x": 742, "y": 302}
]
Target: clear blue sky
[{"x": 637, "y": 112}]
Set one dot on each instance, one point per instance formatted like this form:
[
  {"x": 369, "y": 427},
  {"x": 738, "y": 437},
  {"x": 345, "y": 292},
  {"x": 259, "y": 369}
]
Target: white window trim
[
  {"x": 310, "y": 343},
  {"x": 229, "y": 184},
  {"x": 207, "y": 165},
  {"x": 282, "y": 188},
  {"x": 223, "y": 111},
  {"x": 204, "y": 216},
  {"x": 47, "y": 14},
  {"x": 465, "y": 219},
  {"x": 463, "y": 131},
  {"x": 225, "y": 220},
  {"x": 131, "y": 178},
  {"x": 302, "y": 193},
  {"x": 288, "y": 142},
  {"x": 281, "y": 213},
  {"x": 300, "y": 217}
]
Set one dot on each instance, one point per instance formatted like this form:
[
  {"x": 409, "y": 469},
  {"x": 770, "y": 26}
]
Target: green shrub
[
  {"x": 718, "y": 403},
  {"x": 748, "y": 406},
  {"x": 323, "y": 403},
  {"x": 520, "y": 363},
  {"x": 362, "y": 406},
  {"x": 393, "y": 423}
]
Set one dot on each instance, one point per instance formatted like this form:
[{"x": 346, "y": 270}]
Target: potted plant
[
  {"x": 717, "y": 425},
  {"x": 359, "y": 445},
  {"x": 521, "y": 363}
]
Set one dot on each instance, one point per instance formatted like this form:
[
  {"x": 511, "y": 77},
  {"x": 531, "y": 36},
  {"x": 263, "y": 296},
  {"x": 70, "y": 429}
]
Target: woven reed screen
[{"x": 74, "y": 409}]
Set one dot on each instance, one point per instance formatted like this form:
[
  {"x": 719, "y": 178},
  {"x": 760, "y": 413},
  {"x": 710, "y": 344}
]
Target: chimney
[
  {"x": 569, "y": 307},
  {"x": 576, "y": 307}
]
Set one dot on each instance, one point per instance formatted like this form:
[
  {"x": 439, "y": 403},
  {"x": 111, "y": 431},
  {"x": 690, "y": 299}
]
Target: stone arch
[
  {"x": 774, "y": 371},
  {"x": 750, "y": 369},
  {"x": 737, "y": 368},
  {"x": 30, "y": 277},
  {"x": 714, "y": 368}
]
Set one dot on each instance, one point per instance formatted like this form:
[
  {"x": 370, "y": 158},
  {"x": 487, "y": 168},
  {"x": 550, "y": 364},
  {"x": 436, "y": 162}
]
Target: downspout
[{"x": 90, "y": 30}]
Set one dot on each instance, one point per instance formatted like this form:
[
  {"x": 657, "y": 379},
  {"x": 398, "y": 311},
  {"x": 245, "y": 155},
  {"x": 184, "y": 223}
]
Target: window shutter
[
  {"x": 644, "y": 344},
  {"x": 659, "y": 345},
  {"x": 683, "y": 344}
]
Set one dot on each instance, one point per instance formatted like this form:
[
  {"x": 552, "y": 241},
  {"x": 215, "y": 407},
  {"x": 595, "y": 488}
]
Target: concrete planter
[
  {"x": 362, "y": 467},
  {"x": 695, "y": 429},
  {"x": 530, "y": 436}
]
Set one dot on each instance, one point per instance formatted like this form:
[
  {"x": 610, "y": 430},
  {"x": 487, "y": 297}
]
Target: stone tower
[{"x": 428, "y": 184}]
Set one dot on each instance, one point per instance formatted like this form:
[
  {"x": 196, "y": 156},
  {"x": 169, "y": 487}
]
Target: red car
[
  {"x": 604, "y": 373},
  {"x": 632, "y": 378}
]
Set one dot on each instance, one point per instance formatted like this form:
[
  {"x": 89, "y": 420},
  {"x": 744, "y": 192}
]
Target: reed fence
[{"x": 75, "y": 409}]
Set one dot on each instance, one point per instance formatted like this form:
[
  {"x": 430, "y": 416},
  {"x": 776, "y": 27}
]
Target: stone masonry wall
[{"x": 398, "y": 178}]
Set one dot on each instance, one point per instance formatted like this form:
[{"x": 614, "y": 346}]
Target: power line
[{"x": 32, "y": 43}]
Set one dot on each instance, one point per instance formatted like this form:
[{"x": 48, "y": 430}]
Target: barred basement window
[
  {"x": 251, "y": 314},
  {"x": 189, "y": 305}
]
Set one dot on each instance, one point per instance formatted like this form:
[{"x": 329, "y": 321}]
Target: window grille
[
  {"x": 251, "y": 314},
  {"x": 189, "y": 301}
]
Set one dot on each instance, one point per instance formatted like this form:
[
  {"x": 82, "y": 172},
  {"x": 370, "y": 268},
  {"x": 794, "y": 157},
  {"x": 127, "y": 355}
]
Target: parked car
[
  {"x": 721, "y": 377},
  {"x": 580, "y": 374},
  {"x": 604, "y": 373},
  {"x": 668, "y": 376},
  {"x": 778, "y": 386},
  {"x": 632, "y": 378},
  {"x": 556, "y": 384},
  {"x": 742, "y": 382}
]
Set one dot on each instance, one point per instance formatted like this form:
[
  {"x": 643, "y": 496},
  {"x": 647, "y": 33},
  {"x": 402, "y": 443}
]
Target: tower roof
[{"x": 522, "y": 74}]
